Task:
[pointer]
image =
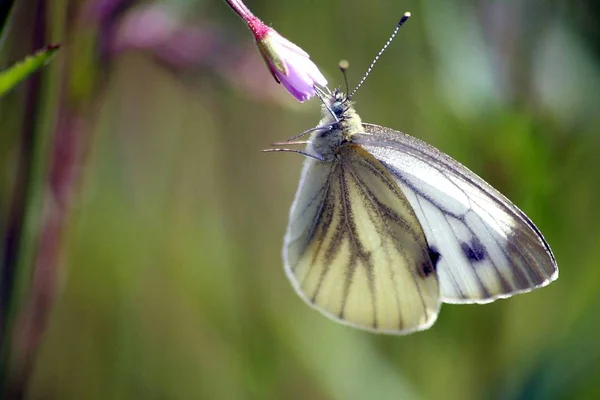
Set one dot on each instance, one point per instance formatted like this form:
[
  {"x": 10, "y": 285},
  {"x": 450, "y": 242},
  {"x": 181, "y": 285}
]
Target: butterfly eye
[{"x": 337, "y": 107}]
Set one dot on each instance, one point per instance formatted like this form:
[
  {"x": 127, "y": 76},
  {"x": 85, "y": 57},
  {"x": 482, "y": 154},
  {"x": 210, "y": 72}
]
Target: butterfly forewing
[
  {"x": 487, "y": 247},
  {"x": 355, "y": 250}
]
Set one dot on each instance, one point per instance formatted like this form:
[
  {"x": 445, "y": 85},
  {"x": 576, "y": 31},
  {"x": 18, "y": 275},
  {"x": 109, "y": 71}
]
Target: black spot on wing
[
  {"x": 429, "y": 266},
  {"x": 426, "y": 269},
  {"x": 435, "y": 256},
  {"x": 474, "y": 251}
]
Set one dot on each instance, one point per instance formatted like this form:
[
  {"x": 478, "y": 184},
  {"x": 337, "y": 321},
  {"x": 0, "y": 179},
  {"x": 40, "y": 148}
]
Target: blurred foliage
[
  {"x": 21, "y": 70},
  {"x": 171, "y": 284}
]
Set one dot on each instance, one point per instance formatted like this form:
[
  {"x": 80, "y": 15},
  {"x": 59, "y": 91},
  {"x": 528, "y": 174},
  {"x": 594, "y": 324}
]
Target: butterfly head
[
  {"x": 339, "y": 114},
  {"x": 336, "y": 107},
  {"x": 339, "y": 103},
  {"x": 339, "y": 123}
]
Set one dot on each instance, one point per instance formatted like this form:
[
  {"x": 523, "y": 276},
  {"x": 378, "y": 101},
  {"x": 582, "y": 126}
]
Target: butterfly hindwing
[
  {"x": 486, "y": 247},
  {"x": 355, "y": 250}
]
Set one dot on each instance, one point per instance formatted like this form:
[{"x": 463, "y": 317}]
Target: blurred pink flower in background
[{"x": 184, "y": 47}]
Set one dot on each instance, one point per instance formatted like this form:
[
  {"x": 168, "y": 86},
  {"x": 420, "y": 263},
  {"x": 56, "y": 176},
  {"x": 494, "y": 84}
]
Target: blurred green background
[{"x": 168, "y": 282}]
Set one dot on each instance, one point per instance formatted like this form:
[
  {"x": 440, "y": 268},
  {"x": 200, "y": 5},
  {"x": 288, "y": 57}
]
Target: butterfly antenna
[
  {"x": 344, "y": 65},
  {"x": 404, "y": 18}
]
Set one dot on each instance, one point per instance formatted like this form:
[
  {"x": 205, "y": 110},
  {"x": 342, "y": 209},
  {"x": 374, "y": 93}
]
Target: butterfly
[{"x": 385, "y": 227}]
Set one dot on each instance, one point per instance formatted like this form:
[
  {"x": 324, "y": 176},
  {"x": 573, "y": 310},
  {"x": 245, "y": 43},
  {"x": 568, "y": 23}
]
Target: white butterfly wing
[
  {"x": 487, "y": 247},
  {"x": 354, "y": 249}
]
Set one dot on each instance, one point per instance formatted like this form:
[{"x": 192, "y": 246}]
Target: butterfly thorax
[{"x": 337, "y": 130}]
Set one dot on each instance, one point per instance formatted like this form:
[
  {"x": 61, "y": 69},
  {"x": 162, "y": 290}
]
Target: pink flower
[{"x": 289, "y": 64}]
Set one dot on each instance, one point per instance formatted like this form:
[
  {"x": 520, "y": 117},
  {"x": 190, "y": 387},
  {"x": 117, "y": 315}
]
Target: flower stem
[
  {"x": 258, "y": 28},
  {"x": 240, "y": 8}
]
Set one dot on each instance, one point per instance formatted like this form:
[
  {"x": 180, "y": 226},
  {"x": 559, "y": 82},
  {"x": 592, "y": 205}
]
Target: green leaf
[{"x": 15, "y": 74}]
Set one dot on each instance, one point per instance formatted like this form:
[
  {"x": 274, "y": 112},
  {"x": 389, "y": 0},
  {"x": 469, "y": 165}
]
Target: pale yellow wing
[{"x": 355, "y": 250}]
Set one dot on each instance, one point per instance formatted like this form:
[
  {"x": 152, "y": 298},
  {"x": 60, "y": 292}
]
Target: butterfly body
[{"x": 384, "y": 228}]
